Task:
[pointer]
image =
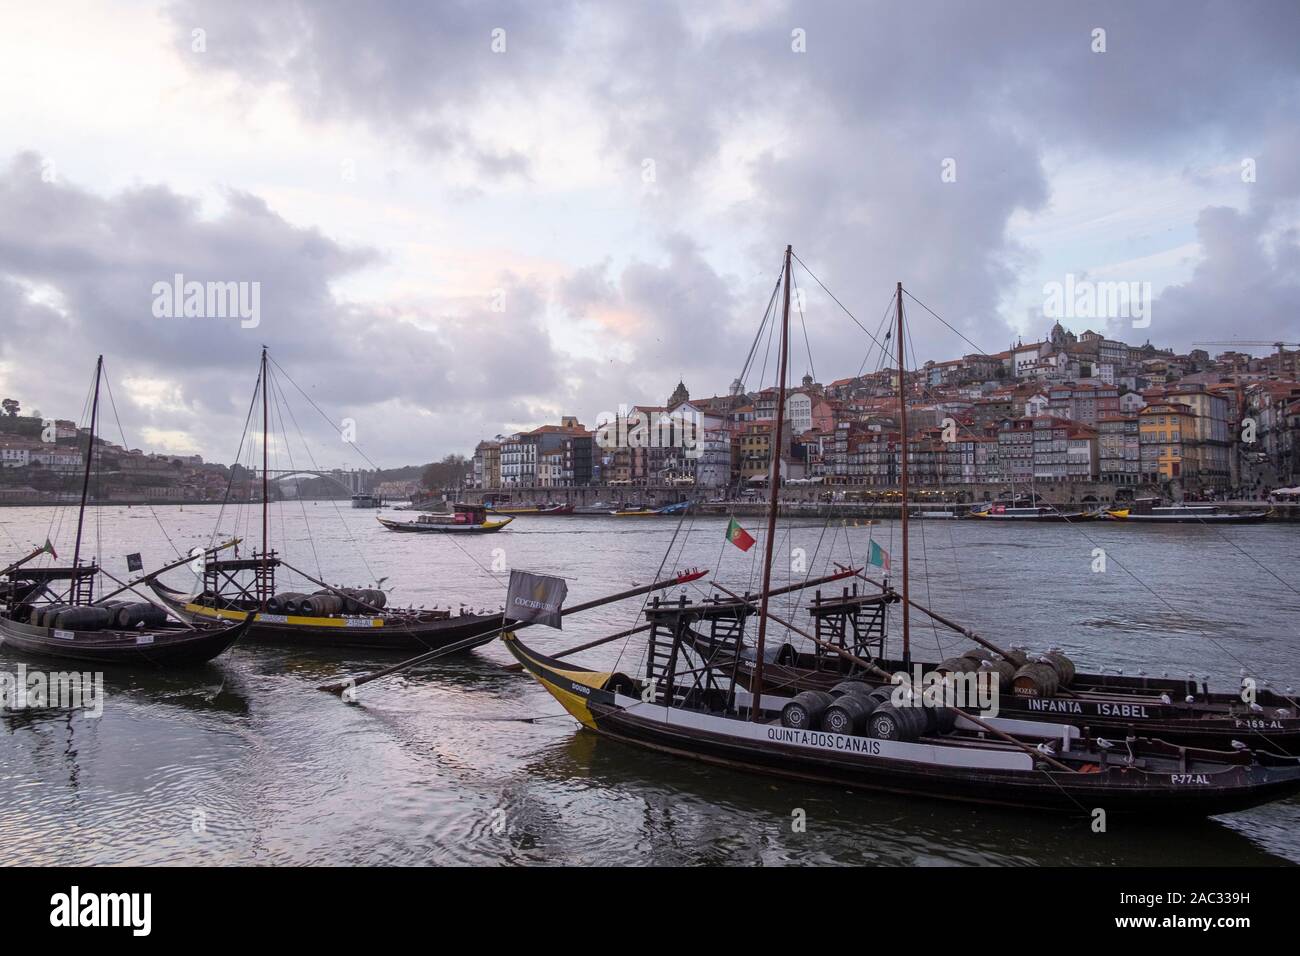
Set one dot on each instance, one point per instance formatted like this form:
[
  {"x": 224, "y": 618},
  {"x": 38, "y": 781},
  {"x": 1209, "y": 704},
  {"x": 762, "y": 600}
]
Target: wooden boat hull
[
  {"x": 1072, "y": 516},
  {"x": 168, "y": 646},
  {"x": 392, "y": 634},
  {"x": 604, "y": 703},
  {"x": 1113, "y": 717},
  {"x": 434, "y": 527},
  {"x": 1248, "y": 517}
]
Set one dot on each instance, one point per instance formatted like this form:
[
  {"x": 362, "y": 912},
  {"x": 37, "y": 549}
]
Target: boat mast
[
  {"x": 774, "y": 491},
  {"x": 90, "y": 456},
  {"x": 265, "y": 465},
  {"x": 902, "y": 476}
]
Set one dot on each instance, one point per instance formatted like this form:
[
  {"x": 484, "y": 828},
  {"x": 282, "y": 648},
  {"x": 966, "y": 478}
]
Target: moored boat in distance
[
  {"x": 464, "y": 519},
  {"x": 1000, "y": 512},
  {"x": 667, "y": 510},
  {"x": 1145, "y": 510},
  {"x": 536, "y": 510}
]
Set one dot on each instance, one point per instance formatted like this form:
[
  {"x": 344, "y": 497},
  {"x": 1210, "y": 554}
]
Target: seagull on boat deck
[
  {"x": 1256, "y": 709},
  {"x": 1104, "y": 744},
  {"x": 1046, "y": 748},
  {"x": 1283, "y": 712},
  {"x": 1164, "y": 699},
  {"x": 1191, "y": 699},
  {"x": 1238, "y": 745}
]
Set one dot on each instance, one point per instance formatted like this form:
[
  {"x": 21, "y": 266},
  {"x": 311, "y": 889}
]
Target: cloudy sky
[{"x": 468, "y": 218}]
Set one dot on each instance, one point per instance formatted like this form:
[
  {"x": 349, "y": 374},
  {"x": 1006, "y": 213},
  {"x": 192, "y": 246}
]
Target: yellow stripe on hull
[{"x": 293, "y": 619}]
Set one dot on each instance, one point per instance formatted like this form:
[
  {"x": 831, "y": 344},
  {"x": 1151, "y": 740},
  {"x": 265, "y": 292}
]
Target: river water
[{"x": 462, "y": 762}]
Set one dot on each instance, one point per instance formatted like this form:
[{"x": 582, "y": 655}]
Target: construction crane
[{"x": 1281, "y": 347}]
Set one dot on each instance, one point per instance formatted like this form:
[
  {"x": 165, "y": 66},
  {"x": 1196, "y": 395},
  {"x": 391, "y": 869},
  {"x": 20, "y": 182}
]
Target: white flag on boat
[{"x": 536, "y": 598}]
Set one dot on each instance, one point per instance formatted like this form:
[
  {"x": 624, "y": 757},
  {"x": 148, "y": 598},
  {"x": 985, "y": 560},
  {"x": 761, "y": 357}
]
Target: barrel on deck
[
  {"x": 858, "y": 687},
  {"x": 321, "y": 605},
  {"x": 87, "y": 618},
  {"x": 1063, "y": 666},
  {"x": 805, "y": 710},
  {"x": 139, "y": 614},
  {"x": 977, "y": 654},
  {"x": 1036, "y": 680},
  {"x": 848, "y": 714},
  {"x": 957, "y": 665},
  {"x": 888, "y": 722},
  {"x": 1006, "y": 673},
  {"x": 285, "y": 602}
]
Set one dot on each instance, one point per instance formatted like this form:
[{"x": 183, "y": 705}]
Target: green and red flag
[
  {"x": 50, "y": 548},
  {"x": 739, "y": 536},
  {"x": 879, "y": 556}
]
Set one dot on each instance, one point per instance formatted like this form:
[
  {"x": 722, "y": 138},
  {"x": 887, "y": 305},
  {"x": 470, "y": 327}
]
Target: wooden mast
[
  {"x": 902, "y": 476},
  {"x": 774, "y": 494},
  {"x": 265, "y": 465},
  {"x": 90, "y": 457}
]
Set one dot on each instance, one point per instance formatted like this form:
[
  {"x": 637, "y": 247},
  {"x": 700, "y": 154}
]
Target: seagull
[
  {"x": 1256, "y": 709},
  {"x": 1283, "y": 712},
  {"x": 1191, "y": 699},
  {"x": 1104, "y": 744},
  {"x": 1046, "y": 748},
  {"x": 1164, "y": 699},
  {"x": 1238, "y": 745}
]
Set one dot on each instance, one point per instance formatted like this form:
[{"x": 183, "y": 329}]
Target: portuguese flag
[
  {"x": 879, "y": 556},
  {"x": 739, "y": 536}
]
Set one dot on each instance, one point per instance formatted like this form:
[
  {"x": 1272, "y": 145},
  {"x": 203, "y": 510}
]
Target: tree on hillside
[
  {"x": 447, "y": 473},
  {"x": 11, "y": 407}
]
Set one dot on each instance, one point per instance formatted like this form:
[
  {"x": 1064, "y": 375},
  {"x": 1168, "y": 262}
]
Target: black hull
[
  {"x": 400, "y": 636},
  {"x": 1279, "y": 736},
  {"x": 1052, "y": 792},
  {"x": 171, "y": 646},
  {"x": 1227, "y": 787}
]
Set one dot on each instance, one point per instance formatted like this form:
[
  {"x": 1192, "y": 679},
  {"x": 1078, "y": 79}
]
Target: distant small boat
[
  {"x": 517, "y": 510},
  {"x": 1038, "y": 513},
  {"x": 465, "y": 519},
  {"x": 674, "y": 509},
  {"x": 1188, "y": 514}
]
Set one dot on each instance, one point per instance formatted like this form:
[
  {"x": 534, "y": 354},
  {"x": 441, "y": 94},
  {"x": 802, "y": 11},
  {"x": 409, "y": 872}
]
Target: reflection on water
[{"x": 244, "y": 761}]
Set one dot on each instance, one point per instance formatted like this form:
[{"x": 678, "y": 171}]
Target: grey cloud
[{"x": 92, "y": 262}]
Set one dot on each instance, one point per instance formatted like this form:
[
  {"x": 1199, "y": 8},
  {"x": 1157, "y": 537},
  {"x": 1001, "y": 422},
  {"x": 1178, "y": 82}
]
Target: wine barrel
[
  {"x": 1006, "y": 672},
  {"x": 285, "y": 602},
  {"x": 1017, "y": 656},
  {"x": 977, "y": 654},
  {"x": 321, "y": 605},
  {"x": 958, "y": 665},
  {"x": 858, "y": 687},
  {"x": 940, "y": 720},
  {"x": 804, "y": 711},
  {"x": 848, "y": 713},
  {"x": 1035, "y": 680},
  {"x": 140, "y": 614},
  {"x": 882, "y": 695},
  {"x": 1063, "y": 666},
  {"x": 44, "y": 616},
  {"x": 371, "y": 596},
  {"x": 888, "y": 722},
  {"x": 86, "y": 618}
]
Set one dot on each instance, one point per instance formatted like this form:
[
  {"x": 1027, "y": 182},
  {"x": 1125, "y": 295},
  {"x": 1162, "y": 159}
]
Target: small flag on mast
[
  {"x": 50, "y": 548},
  {"x": 879, "y": 556},
  {"x": 739, "y": 536}
]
